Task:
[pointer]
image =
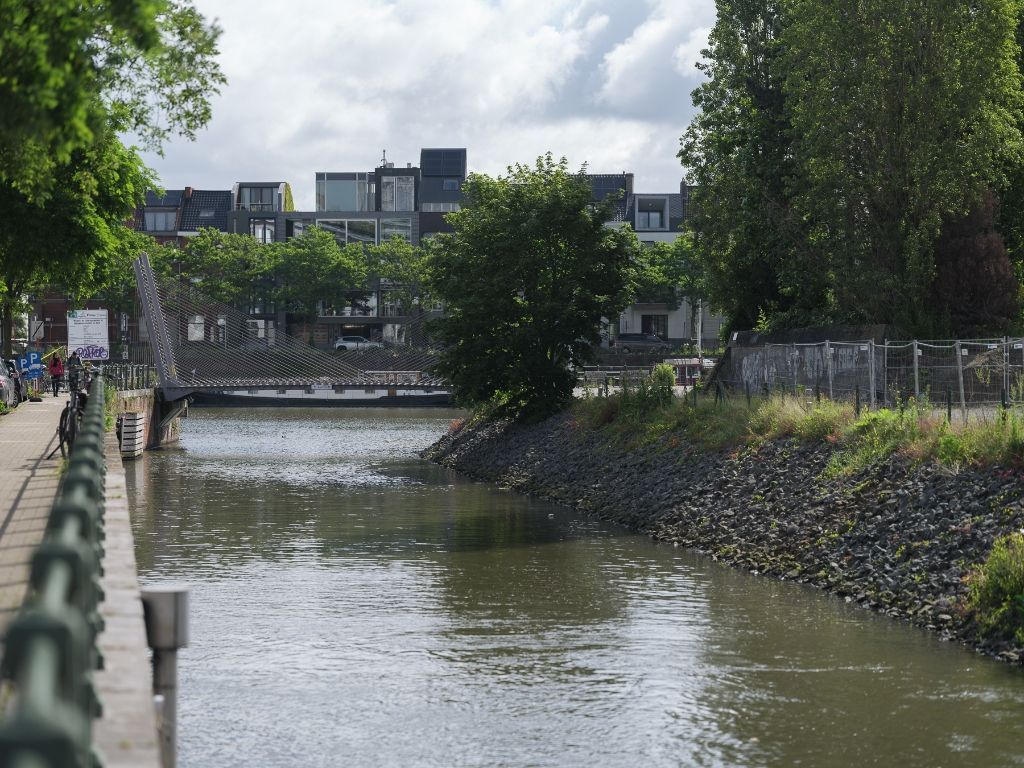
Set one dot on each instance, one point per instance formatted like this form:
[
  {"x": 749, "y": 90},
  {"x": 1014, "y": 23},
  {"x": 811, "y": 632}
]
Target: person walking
[{"x": 56, "y": 373}]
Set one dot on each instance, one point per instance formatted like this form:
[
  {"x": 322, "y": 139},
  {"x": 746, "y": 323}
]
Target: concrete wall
[{"x": 145, "y": 401}]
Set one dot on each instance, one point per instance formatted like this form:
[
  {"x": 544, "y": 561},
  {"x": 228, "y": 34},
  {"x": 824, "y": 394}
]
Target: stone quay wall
[
  {"x": 145, "y": 401},
  {"x": 897, "y": 538}
]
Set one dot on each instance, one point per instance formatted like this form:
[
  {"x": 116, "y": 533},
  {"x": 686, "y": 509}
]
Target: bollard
[{"x": 166, "y": 611}]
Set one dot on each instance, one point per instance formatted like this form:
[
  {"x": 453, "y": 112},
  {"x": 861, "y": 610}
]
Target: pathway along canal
[{"x": 353, "y": 605}]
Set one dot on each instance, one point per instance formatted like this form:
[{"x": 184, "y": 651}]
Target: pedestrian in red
[{"x": 56, "y": 373}]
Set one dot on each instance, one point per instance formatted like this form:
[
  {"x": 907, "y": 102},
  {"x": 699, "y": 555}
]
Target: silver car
[
  {"x": 8, "y": 388},
  {"x": 347, "y": 343}
]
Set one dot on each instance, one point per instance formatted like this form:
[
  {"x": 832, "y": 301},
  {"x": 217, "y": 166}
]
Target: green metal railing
[
  {"x": 125, "y": 377},
  {"x": 50, "y": 650}
]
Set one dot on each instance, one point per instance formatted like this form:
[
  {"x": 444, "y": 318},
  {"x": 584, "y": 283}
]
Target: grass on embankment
[{"x": 640, "y": 418}]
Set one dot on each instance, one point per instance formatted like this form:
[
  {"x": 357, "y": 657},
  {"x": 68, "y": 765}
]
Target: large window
[
  {"x": 351, "y": 230},
  {"x": 160, "y": 221},
  {"x": 256, "y": 198},
  {"x": 654, "y": 324},
  {"x": 398, "y": 193},
  {"x": 355, "y": 194},
  {"x": 262, "y": 230},
  {"x": 396, "y": 227},
  {"x": 648, "y": 220}
]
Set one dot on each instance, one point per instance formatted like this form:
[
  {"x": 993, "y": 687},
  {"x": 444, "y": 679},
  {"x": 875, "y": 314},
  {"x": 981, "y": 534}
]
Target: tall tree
[
  {"x": 77, "y": 238},
  {"x": 904, "y": 112},
  {"x": 526, "y": 278},
  {"x": 737, "y": 151},
  {"x": 72, "y": 69},
  {"x": 313, "y": 268}
]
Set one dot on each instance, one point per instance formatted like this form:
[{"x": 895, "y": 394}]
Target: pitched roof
[{"x": 206, "y": 208}]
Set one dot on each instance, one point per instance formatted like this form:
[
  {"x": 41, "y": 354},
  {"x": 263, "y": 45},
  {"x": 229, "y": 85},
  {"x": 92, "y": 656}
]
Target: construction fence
[{"x": 966, "y": 373}]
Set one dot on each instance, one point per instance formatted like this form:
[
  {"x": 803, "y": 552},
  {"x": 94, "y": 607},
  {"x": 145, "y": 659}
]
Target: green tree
[
  {"x": 77, "y": 238},
  {"x": 671, "y": 272},
  {"x": 526, "y": 278},
  {"x": 233, "y": 269},
  {"x": 313, "y": 268},
  {"x": 737, "y": 151},
  {"x": 903, "y": 114},
  {"x": 70, "y": 71},
  {"x": 401, "y": 268}
]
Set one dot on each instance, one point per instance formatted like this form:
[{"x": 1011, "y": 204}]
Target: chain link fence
[{"x": 964, "y": 373}]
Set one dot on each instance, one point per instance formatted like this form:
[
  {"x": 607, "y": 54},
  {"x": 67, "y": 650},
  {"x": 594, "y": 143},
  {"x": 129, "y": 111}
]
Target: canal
[{"x": 353, "y": 605}]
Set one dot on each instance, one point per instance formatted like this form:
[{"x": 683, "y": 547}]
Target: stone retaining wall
[
  {"x": 895, "y": 538},
  {"x": 144, "y": 401}
]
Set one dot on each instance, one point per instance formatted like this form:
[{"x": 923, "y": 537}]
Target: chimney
[{"x": 188, "y": 193}]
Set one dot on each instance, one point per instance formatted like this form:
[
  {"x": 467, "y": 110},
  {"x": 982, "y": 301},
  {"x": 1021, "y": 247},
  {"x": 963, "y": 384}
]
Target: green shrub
[{"x": 997, "y": 591}]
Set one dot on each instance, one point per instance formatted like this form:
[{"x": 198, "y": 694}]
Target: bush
[{"x": 997, "y": 591}]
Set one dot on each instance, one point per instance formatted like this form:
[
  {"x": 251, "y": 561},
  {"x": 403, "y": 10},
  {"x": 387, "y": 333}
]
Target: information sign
[{"x": 87, "y": 334}]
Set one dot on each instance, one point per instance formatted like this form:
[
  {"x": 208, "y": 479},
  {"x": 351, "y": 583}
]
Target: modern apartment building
[{"x": 655, "y": 217}]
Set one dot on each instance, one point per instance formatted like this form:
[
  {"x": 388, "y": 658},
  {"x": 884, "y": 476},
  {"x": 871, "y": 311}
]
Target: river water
[{"x": 353, "y": 605}]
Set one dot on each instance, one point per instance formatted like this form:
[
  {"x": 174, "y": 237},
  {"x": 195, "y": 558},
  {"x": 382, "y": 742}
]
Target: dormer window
[
  {"x": 651, "y": 213},
  {"x": 160, "y": 221}
]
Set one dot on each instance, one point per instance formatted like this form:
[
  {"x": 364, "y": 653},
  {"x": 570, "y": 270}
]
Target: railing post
[
  {"x": 1006, "y": 369},
  {"x": 166, "y": 609}
]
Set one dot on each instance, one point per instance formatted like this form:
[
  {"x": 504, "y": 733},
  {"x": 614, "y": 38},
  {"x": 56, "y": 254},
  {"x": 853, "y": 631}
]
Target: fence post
[
  {"x": 960, "y": 378},
  {"x": 828, "y": 367},
  {"x": 871, "y": 372},
  {"x": 949, "y": 405},
  {"x": 1006, "y": 369},
  {"x": 856, "y": 400},
  {"x": 917, "y": 382},
  {"x": 885, "y": 372}
]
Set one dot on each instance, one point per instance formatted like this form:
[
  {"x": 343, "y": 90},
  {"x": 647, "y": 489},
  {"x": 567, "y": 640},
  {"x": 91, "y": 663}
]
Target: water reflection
[{"x": 353, "y": 605}]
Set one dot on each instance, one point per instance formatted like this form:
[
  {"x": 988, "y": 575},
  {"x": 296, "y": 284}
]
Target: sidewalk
[{"x": 28, "y": 484}]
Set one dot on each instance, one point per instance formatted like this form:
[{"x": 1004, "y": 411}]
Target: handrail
[{"x": 50, "y": 649}]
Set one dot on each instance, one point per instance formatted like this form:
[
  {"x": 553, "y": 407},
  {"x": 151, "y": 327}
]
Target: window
[
  {"x": 160, "y": 221},
  {"x": 351, "y": 230},
  {"x": 654, "y": 324},
  {"x": 450, "y": 185},
  {"x": 651, "y": 212},
  {"x": 440, "y": 207},
  {"x": 262, "y": 230},
  {"x": 256, "y": 198},
  {"x": 206, "y": 213},
  {"x": 354, "y": 194},
  {"x": 398, "y": 193},
  {"x": 648, "y": 220},
  {"x": 396, "y": 227}
]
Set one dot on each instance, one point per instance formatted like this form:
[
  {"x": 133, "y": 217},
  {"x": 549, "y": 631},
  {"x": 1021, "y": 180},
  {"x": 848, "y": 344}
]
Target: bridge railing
[
  {"x": 50, "y": 650},
  {"x": 125, "y": 377}
]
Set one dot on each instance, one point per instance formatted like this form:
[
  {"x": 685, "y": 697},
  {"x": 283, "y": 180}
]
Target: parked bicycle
[{"x": 71, "y": 417}]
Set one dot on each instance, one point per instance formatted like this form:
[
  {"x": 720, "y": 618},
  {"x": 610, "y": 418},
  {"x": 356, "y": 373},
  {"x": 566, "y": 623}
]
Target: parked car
[
  {"x": 639, "y": 342},
  {"x": 10, "y": 394},
  {"x": 347, "y": 343}
]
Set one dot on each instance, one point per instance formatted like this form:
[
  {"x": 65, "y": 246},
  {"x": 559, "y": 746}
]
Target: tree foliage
[
  {"x": 835, "y": 140},
  {"x": 526, "y": 278},
  {"x": 71, "y": 71},
  {"x": 77, "y": 239}
]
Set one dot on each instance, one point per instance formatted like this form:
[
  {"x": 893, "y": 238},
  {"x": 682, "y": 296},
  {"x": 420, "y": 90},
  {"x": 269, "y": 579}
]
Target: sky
[{"x": 330, "y": 85}]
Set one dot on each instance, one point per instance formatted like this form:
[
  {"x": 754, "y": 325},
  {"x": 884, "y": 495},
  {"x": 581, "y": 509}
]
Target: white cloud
[{"x": 327, "y": 86}]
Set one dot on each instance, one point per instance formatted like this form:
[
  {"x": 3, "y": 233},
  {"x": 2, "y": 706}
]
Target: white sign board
[{"x": 87, "y": 334}]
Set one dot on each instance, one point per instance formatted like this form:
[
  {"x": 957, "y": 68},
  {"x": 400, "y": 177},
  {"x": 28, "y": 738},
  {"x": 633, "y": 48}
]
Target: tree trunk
[{"x": 7, "y": 327}]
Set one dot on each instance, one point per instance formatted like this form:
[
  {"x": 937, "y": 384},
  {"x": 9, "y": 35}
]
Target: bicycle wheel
[{"x": 62, "y": 430}]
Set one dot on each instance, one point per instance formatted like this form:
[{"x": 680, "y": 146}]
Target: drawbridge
[{"x": 206, "y": 349}]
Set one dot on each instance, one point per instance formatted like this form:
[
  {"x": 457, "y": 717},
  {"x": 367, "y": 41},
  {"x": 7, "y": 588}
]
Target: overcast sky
[{"x": 326, "y": 86}]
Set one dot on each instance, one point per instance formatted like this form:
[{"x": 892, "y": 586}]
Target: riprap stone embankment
[{"x": 897, "y": 537}]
